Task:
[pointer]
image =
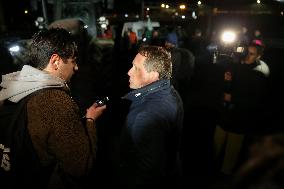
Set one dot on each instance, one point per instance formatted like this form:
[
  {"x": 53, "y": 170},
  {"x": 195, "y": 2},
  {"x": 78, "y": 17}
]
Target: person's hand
[
  {"x": 95, "y": 111},
  {"x": 227, "y": 97},
  {"x": 228, "y": 76}
]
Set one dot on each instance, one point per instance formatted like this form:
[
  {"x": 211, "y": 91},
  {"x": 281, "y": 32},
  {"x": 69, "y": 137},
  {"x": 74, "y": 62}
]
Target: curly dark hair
[{"x": 45, "y": 43}]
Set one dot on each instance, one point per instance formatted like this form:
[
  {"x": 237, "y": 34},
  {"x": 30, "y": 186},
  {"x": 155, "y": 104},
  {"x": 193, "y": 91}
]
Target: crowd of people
[{"x": 174, "y": 118}]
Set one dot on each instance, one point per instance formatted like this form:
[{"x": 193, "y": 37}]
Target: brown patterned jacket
[{"x": 58, "y": 133}]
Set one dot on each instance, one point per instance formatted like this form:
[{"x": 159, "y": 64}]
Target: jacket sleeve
[{"x": 58, "y": 133}]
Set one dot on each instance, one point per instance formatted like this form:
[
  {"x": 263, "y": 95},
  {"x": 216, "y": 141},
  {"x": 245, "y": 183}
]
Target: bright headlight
[
  {"x": 228, "y": 37},
  {"x": 15, "y": 48}
]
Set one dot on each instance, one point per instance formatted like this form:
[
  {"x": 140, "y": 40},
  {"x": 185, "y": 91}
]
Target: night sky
[
  {"x": 15, "y": 18},
  {"x": 14, "y": 15}
]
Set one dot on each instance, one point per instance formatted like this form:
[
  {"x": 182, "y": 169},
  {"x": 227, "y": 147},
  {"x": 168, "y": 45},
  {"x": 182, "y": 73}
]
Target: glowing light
[
  {"x": 199, "y": 3},
  {"x": 258, "y": 2},
  {"x": 26, "y": 11},
  {"x": 182, "y": 6},
  {"x": 228, "y": 36},
  {"x": 194, "y": 15},
  {"x": 104, "y": 26},
  {"x": 163, "y": 5},
  {"x": 102, "y": 19},
  {"x": 167, "y": 6},
  {"x": 15, "y": 48}
]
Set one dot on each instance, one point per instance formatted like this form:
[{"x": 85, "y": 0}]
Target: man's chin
[{"x": 132, "y": 87}]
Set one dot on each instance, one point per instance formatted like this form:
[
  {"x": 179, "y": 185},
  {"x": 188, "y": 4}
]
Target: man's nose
[{"x": 129, "y": 72}]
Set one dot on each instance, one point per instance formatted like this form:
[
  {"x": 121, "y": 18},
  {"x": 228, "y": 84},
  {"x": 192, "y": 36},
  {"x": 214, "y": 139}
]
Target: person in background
[
  {"x": 171, "y": 38},
  {"x": 264, "y": 167},
  {"x": 7, "y": 64},
  {"x": 197, "y": 44},
  {"x": 183, "y": 63},
  {"x": 258, "y": 38},
  {"x": 63, "y": 141},
  {"x": 150, "y": 138},
  {"x": 244, "y": 38},
  {"x": 133, "y": 40},
  {"x": 156, "y": 39},
  {"x": 194, "y": 157},
  {"x": 108, "y": 33},
  {"x": 244, "y": 108}
]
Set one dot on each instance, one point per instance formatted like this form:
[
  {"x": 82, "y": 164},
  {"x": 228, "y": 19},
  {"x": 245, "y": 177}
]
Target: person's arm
[
  {"x": 58, "y": 133},
  {"x": 92, "y": 114}
]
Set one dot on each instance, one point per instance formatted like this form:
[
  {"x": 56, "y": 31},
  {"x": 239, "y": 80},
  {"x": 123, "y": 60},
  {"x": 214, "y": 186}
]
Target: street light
[
  {"x": 165, "y": 6},
  {"x": 182, "y": 7}
]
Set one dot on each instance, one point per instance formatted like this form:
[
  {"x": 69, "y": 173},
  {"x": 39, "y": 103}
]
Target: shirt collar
[{"x": 153, "y": 87}]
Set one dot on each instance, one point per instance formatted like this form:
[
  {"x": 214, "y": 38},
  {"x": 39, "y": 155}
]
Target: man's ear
[
  {"x": 54, "y": 61},
  {"x": 155, "y": 75}
]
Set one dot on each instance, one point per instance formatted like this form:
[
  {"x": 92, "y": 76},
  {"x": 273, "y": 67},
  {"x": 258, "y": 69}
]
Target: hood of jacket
[{"x": 17, "y": 85}]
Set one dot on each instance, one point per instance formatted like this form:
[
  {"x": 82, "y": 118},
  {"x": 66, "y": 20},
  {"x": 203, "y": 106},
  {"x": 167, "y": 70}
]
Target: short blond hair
[{"x": 157, "y": 59}]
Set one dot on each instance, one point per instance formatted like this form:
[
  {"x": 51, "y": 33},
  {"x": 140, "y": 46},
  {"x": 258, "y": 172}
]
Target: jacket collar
[{"x": 151, "y": 88}]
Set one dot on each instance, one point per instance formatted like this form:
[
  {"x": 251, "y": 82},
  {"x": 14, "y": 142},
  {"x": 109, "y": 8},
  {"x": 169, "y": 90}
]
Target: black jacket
[{"x": 149, "y": 141}]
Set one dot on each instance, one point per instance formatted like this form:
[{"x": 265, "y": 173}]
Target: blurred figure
[
  {"x": 265, "y": 166},
  {"x": 146, "y": 36},
  {"x": 196, "y": 122},
  {"x": 253, "y": 59},
  {"x": 63, "y": 143},
  {"x": 183, "y": 66},
  {"x": 108, "y": 33},
  {"x": 156, "y": 39},
  {"x": 196, "y": 44},
  {"x": 149, "y": 140},
  {"x": 244, "y": 108},
  {"x": 243, "y": 37},
  {"x": 183, "y": 63},
  {"x": 257, "y": 37},
  {"x": 7, "y": 65},
  {"x": 171, "y": 38},
  {"x": 133, "y": 40}
]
